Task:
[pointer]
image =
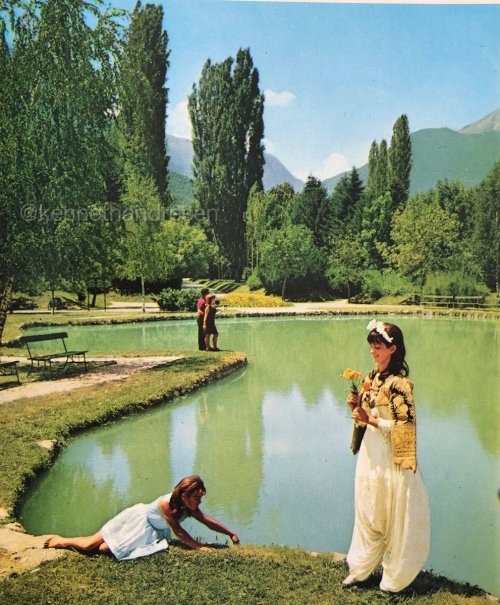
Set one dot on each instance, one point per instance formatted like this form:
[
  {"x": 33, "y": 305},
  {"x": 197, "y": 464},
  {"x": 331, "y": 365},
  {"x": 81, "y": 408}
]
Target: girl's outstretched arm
[
  {"x": 180, "y": 532},
  {"x": 215, "y": 525}
]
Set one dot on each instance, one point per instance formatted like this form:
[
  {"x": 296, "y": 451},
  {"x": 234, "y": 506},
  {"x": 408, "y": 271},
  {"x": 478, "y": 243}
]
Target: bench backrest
[{"x": 43, "y": 337}]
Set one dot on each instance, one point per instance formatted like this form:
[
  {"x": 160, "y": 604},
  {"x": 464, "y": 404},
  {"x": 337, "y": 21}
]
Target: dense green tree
[
  {"x": 400, "y": 159},
  {"x": 267, "y": 210},
  {"x": 280, "y": 202},
  {"x": 143, "y": 95},
  {"x": 382, "y": 171},
  {"x": 12, "y": 259},
  {"x": 371, "y": 181},
  {"x": 456, "y": 198},
  {"x": 142, "y": 250},
  {"x": 226, "y": 112},
  {"x": 375, "y": 230},
  {"x": 63, "y": 71},
  {"x": 288, "y": 253},
  {"x": 347, "y": 201},
  {"x": 486, "y": 235},
  {"x": 426, "y": 239},
  {"x": 345, "y": 265},
  {"x": 313, "y": 208}
]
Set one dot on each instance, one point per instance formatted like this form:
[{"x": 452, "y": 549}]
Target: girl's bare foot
[{"x": 53, "y": 542}]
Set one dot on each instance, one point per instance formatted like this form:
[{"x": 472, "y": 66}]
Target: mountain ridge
[
  {"x": 180, "y": 151},
  {"x": 464, "y": 155}
]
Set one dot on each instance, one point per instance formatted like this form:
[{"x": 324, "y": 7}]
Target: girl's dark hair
[
  {"x": 187, "y": 486},
  {"x": 397, "y": 364}
]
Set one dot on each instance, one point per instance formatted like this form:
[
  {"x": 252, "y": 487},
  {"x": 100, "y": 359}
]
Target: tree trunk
[
  {"x": 5, "y": 299},
  {"x": 143, "y": 294},
  {"x": 283, "y": 288},
  {"x": 52, "y": 293}
]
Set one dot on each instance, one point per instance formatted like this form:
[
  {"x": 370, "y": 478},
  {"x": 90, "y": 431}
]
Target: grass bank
[{"x": 230, "y": 576}]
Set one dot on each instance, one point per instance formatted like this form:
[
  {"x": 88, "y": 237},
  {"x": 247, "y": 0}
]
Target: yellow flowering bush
[{"x": 252, "y": 299}]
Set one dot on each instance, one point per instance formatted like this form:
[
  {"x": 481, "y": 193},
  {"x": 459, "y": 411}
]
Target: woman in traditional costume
[
  {"x": 143, "y": 529},
  {"x": 392, "y": 518}
]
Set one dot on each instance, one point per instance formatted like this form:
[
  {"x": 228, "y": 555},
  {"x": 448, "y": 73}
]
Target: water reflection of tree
[
  {"x": 457, "y": 369},
  {"x": 229, "y": 454}
]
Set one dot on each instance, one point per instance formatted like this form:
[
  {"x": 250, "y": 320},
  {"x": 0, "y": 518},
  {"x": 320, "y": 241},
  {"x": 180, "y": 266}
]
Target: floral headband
[{"x": 378, "y": 326}]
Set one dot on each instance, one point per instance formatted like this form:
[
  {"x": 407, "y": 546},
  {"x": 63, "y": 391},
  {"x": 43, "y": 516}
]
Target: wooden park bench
[
  {"x": 47, "y": 358},
  {"x": 9, "y": 368}
]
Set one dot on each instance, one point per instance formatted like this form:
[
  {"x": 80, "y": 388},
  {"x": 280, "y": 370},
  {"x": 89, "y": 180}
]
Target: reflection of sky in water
[
  {"x": 183, "y": 436},
  {"x": 106, "y": 466},
  {"x": 272, "y": 440}
]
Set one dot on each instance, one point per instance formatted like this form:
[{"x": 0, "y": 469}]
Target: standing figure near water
[
  {"x": 392, "y": 518},
  {"x": 143, "y": 529},
  {"x": 209, "y": 324},
  {"x": 200, "y": 315}
]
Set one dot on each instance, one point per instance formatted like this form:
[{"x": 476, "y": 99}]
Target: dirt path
[{"x": 117, "y": 368}]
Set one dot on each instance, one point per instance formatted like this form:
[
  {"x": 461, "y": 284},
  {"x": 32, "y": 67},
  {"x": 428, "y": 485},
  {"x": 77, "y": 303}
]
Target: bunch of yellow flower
[{"x": 354, "y": 377}]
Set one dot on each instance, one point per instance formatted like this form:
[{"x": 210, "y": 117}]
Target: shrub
[
  {"x": 171, "y": 299},
  {"x": 254, "y": 282},
  {"x": 376, "y": 284},
  {"x": 453, "y": 284}
]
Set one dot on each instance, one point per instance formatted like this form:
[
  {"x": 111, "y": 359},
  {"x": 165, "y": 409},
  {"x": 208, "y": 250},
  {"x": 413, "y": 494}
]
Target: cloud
[
  {"x": 269, "y": 146},
  {"x": 178, "y": 123},
  {"x": 279, "y": 99},
  {"x": 334, "y": 164}
]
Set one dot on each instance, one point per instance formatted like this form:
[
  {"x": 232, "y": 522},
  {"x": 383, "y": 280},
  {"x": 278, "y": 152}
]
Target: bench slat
[{"x": 43, "y": 337}]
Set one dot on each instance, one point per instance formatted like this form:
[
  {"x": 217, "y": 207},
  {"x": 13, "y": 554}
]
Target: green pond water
[{"x": 272, "y": 440}]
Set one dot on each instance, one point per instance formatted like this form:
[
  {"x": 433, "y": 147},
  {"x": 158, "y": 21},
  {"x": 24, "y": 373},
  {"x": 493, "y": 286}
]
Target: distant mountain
[
  {"x": 490, "y": 123},
  {"x": 181, "y": 160},
  {"x": 181, "y": 155},
  {"x": 440, "y": 153},
  {"x": 275, "y": 173}
]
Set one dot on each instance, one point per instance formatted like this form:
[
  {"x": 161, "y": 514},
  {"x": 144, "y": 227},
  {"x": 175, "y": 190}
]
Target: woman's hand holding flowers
[{"x": 353, "y": 400}]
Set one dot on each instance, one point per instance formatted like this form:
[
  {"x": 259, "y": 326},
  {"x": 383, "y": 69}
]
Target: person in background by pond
[
  {"x": 209, "y": 324},
  {"x": 392, "y": 518},
  {"x": 143, "y": 529},
  {"x": 200, "y": 314}
]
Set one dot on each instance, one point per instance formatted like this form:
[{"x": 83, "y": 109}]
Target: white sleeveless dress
[{"x": 138, "y": 531}]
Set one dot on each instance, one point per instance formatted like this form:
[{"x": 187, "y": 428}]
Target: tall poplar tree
[
  {"x": 400, "y": 159},
  {"x": 226, "y": 112},
  {"x": 143, "y": 98},
  {"x": 382, "y": 173},
  {"x": 371, "y": 181}
]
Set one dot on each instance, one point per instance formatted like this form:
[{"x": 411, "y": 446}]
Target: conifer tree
[
  {"x": 314, "y": 209},
  {"x": 226, "y": 112}
]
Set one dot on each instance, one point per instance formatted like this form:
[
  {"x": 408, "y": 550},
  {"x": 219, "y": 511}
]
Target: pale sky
[{"x": 337, "y": 76}]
